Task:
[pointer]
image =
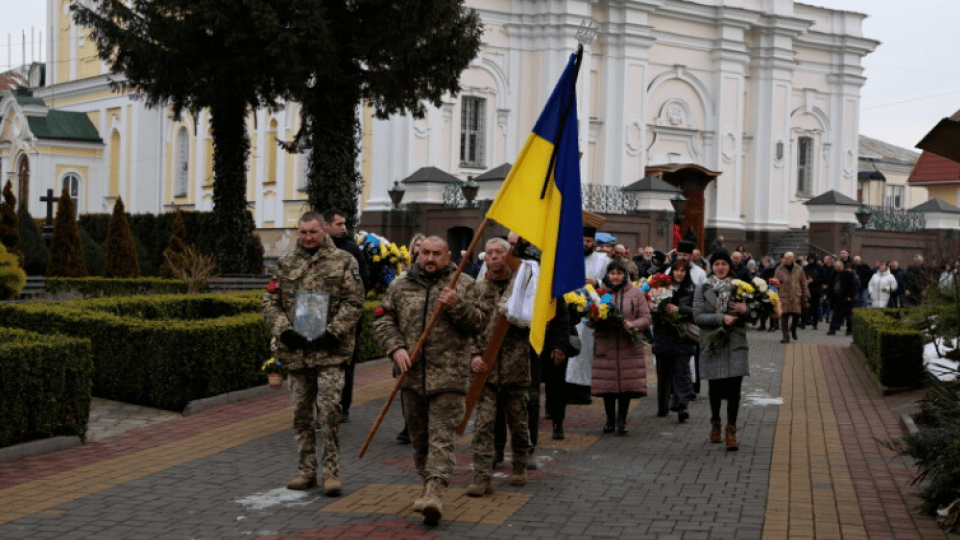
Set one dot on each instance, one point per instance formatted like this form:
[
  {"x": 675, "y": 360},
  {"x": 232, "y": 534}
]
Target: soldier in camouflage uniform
[
  {"x": 434, "y": 389},
  {"x": 315, "y": 368},
  {"x": 507, "y": 382}
]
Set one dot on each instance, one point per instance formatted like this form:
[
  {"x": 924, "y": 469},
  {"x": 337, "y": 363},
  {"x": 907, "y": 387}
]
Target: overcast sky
[{"x": 911, "y": 81}]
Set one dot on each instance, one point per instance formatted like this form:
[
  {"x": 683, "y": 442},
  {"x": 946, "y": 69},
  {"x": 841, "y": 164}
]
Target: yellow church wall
[
  {"x": 366, "y": 160},
  {"x": 208, "y": 173},
  {"x": 94, "y": 117},
  {"x": 7, "y": 133},
  {"x": 88, "y": 63},
  {"x": 128, "y": 150},
  {"x": 946, "y": 194},
  {"x": 113, "y": 188},
  {"x": 84, "y": 98},
  {"x": 64, "y": 25},
  {"x": 77, "y": 152}
]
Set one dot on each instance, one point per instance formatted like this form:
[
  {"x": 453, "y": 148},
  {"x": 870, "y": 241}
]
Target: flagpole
[
  {"x": 563, "y": 120},
  {"x": 423, "y": 338}
]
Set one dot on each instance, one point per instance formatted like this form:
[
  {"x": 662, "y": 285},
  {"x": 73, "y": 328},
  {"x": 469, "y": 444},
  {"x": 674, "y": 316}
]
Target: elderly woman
[
  {"x": 619, "y": 369},
  {"x": 674, "y": 348},
  {"x": 724, "y": 369}
]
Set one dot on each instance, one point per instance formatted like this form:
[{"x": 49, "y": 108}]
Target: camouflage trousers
[
  {"x": 513, "y": 402},
  {"x": 432, "y": 422},
  {"x": 312, "y": 389}
]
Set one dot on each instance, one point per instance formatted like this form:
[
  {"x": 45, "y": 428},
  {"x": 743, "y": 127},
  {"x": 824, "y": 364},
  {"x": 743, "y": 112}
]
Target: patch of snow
[
  {"x": 759, "y": 398},
  {"x": 274, "y": 497},
  {"x": 939, "y": 367}
]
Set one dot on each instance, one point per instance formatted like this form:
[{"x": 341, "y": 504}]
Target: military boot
[
  {"x": 480, "y": 487},
  {"x": 303, "y": 481},
  {"x": 715, "y": 424},
  {"x": 732, "y": 443},
  {"x": 519, "y": 476},
  {"x": 432, "y": 502},
  {"x": 332, "y": 486},
  {"x": 421, "y": 500}
]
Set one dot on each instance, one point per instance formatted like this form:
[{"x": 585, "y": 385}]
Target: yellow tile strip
[
  {"x": 397, "y": 500},
  {"x": 811, "y": 493},
  {"x": 51, "y": 491}
]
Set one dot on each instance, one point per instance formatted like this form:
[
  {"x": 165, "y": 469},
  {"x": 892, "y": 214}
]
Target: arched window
[
  {"x": 114, "y": 163},
  {"x": 271, "y": 170},
  {"x": 304, "y": 171},
  {"x": 23, "y": 180},
  {"x": 71, "y": 182},
  {"x": 183, "y": 164},
  {"x": 473, "y": 112}
]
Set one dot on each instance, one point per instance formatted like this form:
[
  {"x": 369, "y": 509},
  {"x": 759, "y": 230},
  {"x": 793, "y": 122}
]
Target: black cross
[{"x": 50, "y": 200}]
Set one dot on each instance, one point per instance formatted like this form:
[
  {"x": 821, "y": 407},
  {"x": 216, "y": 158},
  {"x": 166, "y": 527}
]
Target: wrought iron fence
[
  {"x": 608, "y": 199},
  {"x": 884, "y": 218},
  {"x": 453, "y": 196}
]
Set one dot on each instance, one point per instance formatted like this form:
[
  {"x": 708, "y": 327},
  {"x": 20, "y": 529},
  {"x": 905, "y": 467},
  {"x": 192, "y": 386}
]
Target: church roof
[
  {"x": 877, "y": 150},
  {"x": 497, "y": 173},
  {"x": 429, "y": 174},
  {"x": 934, "y": 169},
  {"x": 64, "y": 126},
  {"x": 936, "y": 205},
  {"x": 650, "y": 183},
  {"x": 23, "y": 99},
  {"x": 832, "y": 197}
]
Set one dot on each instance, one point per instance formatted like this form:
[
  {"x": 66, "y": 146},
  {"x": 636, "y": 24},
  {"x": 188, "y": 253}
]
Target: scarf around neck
[{"x": 723, "y": 288}]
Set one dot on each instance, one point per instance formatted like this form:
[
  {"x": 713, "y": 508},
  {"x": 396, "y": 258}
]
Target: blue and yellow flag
[{"x": 540, "y": 200}]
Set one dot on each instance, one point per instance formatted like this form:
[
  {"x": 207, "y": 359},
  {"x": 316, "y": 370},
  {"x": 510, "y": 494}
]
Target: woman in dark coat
[
  {"x": 674, "y": 349},
  {"x": 619, "y": 369},
  {"x": 724, "y": 370}
]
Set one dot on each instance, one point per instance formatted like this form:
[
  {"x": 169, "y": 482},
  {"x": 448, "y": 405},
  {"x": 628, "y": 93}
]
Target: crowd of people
[{"x": 697, "y": 328}]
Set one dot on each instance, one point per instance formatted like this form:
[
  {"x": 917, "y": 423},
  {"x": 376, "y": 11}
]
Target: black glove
[
  {"x": 327, "y": 341},
  {"x": 293, "y": 340}
]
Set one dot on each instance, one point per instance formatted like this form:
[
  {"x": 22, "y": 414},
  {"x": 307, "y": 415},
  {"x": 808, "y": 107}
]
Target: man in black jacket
[
  {"x": 814, "y": 273},
  {"x": 864, "y": 273},
  {"x": 898, "y": 297},
  {"x": 844, "y": 293},
  {"x": 337, "y": 229}
]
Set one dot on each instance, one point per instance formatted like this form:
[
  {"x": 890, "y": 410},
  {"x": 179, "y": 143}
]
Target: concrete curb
[
  {"x": 908, "y": 426},
  {"x": 35, "y": 448},
  {"x": 198, "y": 405}
]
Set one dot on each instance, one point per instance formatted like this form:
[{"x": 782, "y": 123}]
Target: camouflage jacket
[
  {"x": 512, "y": 366},
  {"x": 444, "y": 364},
  {"x": 329, "y": 270}
]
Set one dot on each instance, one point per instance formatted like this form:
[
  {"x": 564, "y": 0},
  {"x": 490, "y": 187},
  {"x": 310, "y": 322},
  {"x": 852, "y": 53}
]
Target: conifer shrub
[
  {"x": 174, "y": 252},
  {"x": 10, "y": 223},
  {"x": 121, "y": 249},
  {"x": 36, "y": 256},
  {"x": 12, "y": 277},
  {"x": 66, "y": 248},
  {"x": 93, "y": 255}
]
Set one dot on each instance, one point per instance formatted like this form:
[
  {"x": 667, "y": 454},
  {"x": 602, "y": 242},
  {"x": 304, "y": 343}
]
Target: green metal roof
[
  {"x": 28, "y": 100},
  {"x": 65, "y": 126}
]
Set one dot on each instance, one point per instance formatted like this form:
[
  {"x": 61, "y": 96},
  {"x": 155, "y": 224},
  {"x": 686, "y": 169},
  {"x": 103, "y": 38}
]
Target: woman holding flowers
[
  {"x": 619, "y": 369},
  {"x": 672, "y": 346},
  {"x": 715, "y": 311}
]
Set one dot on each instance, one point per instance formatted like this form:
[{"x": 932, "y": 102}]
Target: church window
[
  {"x": 271, "y": 172},
  {"x": 472, "y": 131},
  {"x": 183, "y": 163},
  {"x": 805, "y": 166},
  {"x": 304, "y": 171},
  {"x": 893, "y": 196},
  {"x": 71, "y": 183}
]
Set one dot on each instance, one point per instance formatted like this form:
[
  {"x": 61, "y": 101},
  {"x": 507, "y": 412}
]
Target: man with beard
[
  {"x": 621, "y": 254},
  {"x": 433, "y": 392},
  {"x": 595, "y": 264},
  {"x": 336, "y": 228}
]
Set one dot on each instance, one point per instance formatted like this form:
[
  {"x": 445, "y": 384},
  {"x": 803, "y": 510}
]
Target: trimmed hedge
[
  {"x": 162, "y": 351},
  {"x": 100, "y": 286},
  {"x": 45, "y": 386},
  {"x": 893, "y": 352}
]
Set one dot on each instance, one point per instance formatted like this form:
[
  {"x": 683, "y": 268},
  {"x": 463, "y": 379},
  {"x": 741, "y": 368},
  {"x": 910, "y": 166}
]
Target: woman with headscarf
[
  {"x": 724, "y": 369},
  {"x": 619, "y": 369},
  {"x": 673, "y": 348}
]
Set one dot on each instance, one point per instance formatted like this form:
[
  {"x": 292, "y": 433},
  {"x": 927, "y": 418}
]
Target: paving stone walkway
[{"x": 808, "y": 468}]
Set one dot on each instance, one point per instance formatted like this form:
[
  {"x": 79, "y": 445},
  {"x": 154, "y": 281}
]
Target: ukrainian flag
[{"x": 540, "y": 200}]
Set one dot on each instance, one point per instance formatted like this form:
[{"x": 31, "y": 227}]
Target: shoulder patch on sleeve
[
  {"x": 356, "y": 273},
  {"x": 273, "y": 285}
]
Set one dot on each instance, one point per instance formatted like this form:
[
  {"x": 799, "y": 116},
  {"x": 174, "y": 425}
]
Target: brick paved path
[{"x": 807, "y": 468}]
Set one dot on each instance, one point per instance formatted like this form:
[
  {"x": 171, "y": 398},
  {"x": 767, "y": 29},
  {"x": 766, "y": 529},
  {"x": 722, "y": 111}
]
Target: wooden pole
[
  {"x": 423, "y": 338},
  {"x": 490, "y": 355}
]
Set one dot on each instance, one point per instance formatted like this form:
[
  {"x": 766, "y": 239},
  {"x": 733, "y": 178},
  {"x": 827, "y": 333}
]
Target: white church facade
[{"x": 761, "y": 94}]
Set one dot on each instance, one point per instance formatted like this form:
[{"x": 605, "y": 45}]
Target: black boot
[
  {"x": 608, "y": 427},
  {"x": 558, "y": 431},
  {"x": 622, "y": 426}
]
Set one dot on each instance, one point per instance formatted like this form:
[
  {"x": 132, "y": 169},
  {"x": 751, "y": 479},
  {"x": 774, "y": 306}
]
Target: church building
[{"x": 749, "y": 107}]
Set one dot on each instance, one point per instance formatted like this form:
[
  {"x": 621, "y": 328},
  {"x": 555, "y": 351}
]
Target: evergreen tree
[
  {"x": 35, "y": 253},
  {"x": 12, "y": 277},
  {"x": 10, "y": 223},
  {"x": 397, "y": 56},
  {"x": 122, "y": 259},
  {"x": 66, "y": 249},
  {"x": 227, "y": 56},
  {"x": 173, "y": 253},
  {"x": 93, "y": 255}
]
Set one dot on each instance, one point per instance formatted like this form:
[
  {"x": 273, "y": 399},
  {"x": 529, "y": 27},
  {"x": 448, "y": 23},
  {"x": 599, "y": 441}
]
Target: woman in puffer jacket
[{"x": 882, "y": 284}]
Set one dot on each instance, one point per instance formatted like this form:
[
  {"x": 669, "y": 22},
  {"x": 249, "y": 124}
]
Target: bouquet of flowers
[
  {"x": 273, "y": 368},
  {"x": 384, "y": 258},
  {"x": 659, "y": 290},
  {"x": 599, "y": 312},
  {"x": 762, "y": 301}
]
